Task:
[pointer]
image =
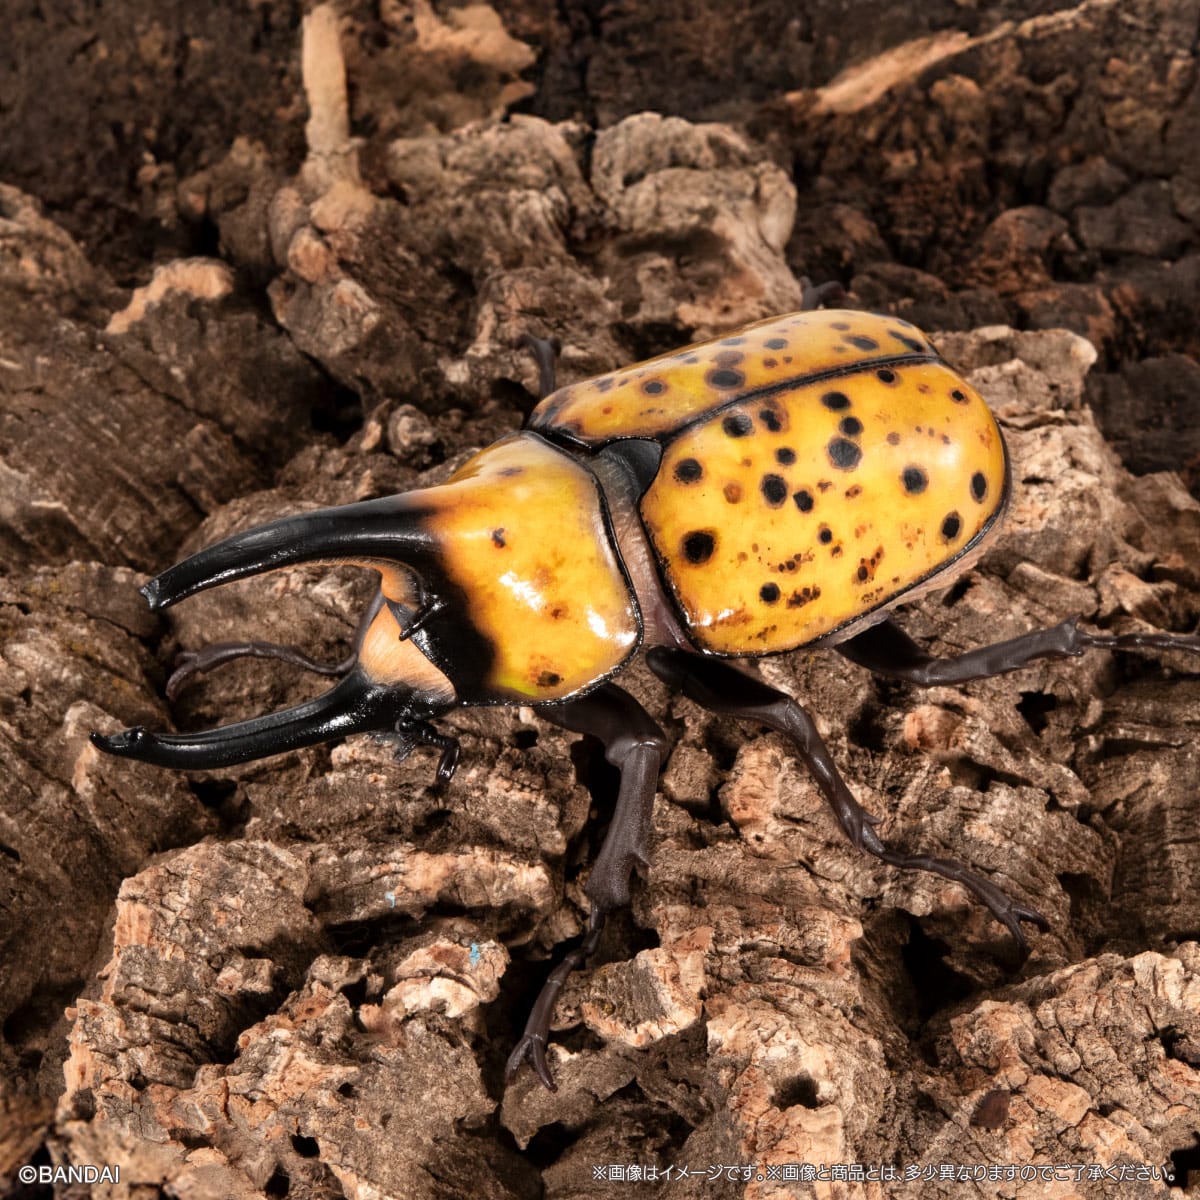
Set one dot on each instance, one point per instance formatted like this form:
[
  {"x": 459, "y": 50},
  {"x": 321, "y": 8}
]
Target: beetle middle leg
[
  {"x": 887, "y": 650},
  {"x": 721, "y": 688},
  {"x": 545, "y": 353},
  {"x": 635, "y": 745}
]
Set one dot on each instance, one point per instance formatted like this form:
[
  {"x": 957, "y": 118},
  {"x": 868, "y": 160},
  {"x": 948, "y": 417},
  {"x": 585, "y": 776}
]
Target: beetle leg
[
  {"x": 635, "y": 745},
  {"x": 814, "y": 295},
  {"x": 412, "y": 622},
  {"x": 724, "y": 689},
  {"x": 545, "y": 351},
  {"x": 887, "y": 650},
  {"x": 410, "y": 734},
  {"x": 196, "y": 662}
]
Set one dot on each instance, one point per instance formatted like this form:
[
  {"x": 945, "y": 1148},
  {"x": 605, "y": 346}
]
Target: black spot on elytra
[
  {"x": 785, "y": 456},
  {"x": 866, "y": 566},
  {"x": 654, "y": 387},
  {"x": 688, "y": 470},
  {"x": 886, "y": 376},
  {"x": 803, "y": 499},
  {"x": 850, "y": 426},
  {"x": 835, "y": 401},
  {"x": 733, "y": 492},
  {"x": 843, "y": 454},
  {"x": 958, "y": 396},
  {"x": 841, "y": 326},
  {"x": 509, "y": 472},
  {"x": 725, "y": 378},
  {"x": 770, "y": 419},
  {"x": 824, "y": 535},
  {"x": 548, "y": 679},
  {"x": 604, "y": 384},
  {"x": 803, "y": 596},
  {"x": 951, "y": 526},
  {"x": 893, "y": 438},
  {"x": 698, "y": 546},
  {"x": 774, "y": 490},
  {"x": 498, "y": 538},
  {"x": 909, "y": 343},
  {"x": 979, "y": 486},
  {"x": 776, "y": 343},
  {"x": 768, "y": 593},
  {"x": 915, "y": 480},
  {"x": 737, "y": 425},
  {"x": 860, "y": 341},
  {"x": 732, "y": 341}
]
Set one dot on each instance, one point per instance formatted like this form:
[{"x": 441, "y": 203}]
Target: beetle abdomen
[{"x": 784, "y": 517}]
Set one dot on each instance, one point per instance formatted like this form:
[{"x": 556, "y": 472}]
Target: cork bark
[{"x": 256, "y": 260}]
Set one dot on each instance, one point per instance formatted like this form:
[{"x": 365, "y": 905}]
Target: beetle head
[{"x": 392, "y": 686}]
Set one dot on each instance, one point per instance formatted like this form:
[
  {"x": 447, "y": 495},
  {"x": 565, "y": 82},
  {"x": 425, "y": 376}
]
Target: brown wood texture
[{"x": 257, "y": 258}]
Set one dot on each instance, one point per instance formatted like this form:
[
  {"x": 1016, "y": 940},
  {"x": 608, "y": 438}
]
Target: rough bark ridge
[{"x": 252, "y": 262}]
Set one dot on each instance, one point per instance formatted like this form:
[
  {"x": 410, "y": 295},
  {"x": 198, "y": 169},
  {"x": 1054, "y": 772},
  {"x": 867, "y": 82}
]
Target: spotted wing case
[{"x": 816, "y": 468}]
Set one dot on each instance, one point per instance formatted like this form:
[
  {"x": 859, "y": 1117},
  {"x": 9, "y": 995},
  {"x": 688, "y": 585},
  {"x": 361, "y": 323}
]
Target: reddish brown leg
[
  {"x": 887, "y": 650},
  {"x": 635, "y": 745},
  {"x": 722, "y": 688},
  {"x": 545, "y": 353}
]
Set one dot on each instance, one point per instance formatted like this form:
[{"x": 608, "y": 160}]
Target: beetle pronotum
[{"x": 783, "y": 486}]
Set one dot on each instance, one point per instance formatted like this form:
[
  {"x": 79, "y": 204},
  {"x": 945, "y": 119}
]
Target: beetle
[{"x": 784, "y": 486}]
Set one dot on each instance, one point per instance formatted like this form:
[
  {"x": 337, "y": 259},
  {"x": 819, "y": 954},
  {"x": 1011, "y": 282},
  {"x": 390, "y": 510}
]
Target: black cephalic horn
[
  {"x": 355, "y": 705},
  {"x": 387, "y": 529}
]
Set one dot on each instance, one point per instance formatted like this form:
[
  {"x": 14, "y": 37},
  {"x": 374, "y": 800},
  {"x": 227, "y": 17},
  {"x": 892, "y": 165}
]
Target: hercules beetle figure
[{"x": 780, "y": 487}]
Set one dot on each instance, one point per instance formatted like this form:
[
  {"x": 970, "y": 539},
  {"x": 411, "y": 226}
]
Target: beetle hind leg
[
  {"x": 887, "y": 650},
  {"x": 721, "y": 688},
  {"x": 635, "y": 745},
  {"x": 191, "y": 663}
]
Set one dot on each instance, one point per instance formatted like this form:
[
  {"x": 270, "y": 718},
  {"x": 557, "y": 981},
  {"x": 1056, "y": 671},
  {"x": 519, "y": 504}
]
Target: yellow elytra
[{"x": 817, "y": 468}]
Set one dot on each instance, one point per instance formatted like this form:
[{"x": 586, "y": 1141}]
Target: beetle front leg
[
  {"x": 721, "y": 688},
  {"x": 410, "y": 734},
  {"x": 887, "y": 650},
  {"x": 635, "y": 745},
  {"x": 195, "y": 662}
]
